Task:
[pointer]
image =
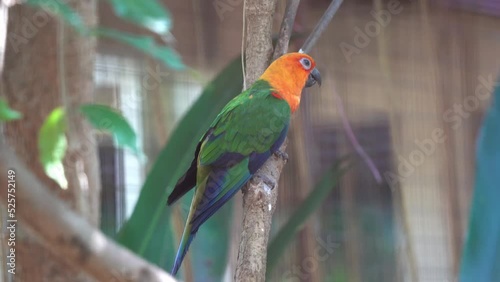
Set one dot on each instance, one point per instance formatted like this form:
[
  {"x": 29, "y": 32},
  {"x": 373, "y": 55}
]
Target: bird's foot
[
  {"x": 282, "y": 155},
  {"x": 271, "y": 183}
]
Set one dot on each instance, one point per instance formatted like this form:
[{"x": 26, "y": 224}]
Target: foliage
[
  {"x": 6, "y": 113},
  {"x": 61, "y": 9},
  {"x": 52, "y": 144},
  {"x": 146, "y": 44},
  {"x": 209, "y": 253},
  {"x": 52, "y": 141},
  {"x": 481, "y": 259},
  {"x": 105, "y": 118},
  {"x": 149, "y": 14}
]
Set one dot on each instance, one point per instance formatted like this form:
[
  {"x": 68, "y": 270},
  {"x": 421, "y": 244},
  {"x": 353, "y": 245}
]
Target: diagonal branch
[
  {"x": 321, "y": 26},
  {"x": 286, "y": 28},
  {"x": 67, "y": 234},
  {"x": 354, "y": 140}
]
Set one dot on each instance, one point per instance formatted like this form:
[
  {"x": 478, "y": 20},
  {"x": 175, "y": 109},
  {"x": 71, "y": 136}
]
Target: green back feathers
[{"x": 251, "y": 122}]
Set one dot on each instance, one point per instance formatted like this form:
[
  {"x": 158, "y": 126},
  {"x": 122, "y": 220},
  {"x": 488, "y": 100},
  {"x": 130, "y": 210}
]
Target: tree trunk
[
  {"x": 48, "y": 65},
  {"x": 258, "y": 203}
]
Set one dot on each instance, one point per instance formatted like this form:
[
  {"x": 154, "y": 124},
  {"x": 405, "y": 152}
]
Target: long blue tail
[
  {"x": 188, "y": 233},
  {"x": 187, "y": 238},
  {"x": 205, "y": 203}
]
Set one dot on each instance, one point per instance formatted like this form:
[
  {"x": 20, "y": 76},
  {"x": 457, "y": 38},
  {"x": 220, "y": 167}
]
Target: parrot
[{"x": 247, "y": 132}]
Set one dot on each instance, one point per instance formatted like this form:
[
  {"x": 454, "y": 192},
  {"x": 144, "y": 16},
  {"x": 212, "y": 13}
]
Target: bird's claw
[
  {"x": 282, "y": 155},
  {"x": 265, "y": 179}
]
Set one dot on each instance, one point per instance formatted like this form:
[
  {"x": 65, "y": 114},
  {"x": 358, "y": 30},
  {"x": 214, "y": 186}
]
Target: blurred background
[{"x": 414, "y": 78}]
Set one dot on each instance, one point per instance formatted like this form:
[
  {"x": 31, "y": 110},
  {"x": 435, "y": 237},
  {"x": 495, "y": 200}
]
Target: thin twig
[
  {"x": 354, "y": 141},
  {"x": 286, "y": 28},
  {"x": 320, "y": 27}
]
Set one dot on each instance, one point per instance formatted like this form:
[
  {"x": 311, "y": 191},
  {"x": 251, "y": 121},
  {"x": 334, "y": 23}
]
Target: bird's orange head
[{"x": 289, "y": 74}]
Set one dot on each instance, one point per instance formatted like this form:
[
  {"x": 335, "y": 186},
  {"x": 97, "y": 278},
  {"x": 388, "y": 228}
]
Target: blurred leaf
[
  {"x": 163, "y": 244},
  {"x": 209, "y": 262},
  {"x": 481, "y": 259},
  {"x": 146, "y": 44},
  {"x": 139, "y": 232},
  {"x": 108, "y": 119},
  {"x": 61, "y": 9},
  {"x": 208, "y": 255},
  {"x": 6, "y": 113},
  {"x": 338, "y": 273},
  {"x": 52, "y": 146},
  {"x": 318, "y": 194},
  {"x": 150, "y": 14}
]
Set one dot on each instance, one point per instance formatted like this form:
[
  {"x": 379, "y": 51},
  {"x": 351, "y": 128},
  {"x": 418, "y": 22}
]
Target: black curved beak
[{"x": 314, "y": 77}]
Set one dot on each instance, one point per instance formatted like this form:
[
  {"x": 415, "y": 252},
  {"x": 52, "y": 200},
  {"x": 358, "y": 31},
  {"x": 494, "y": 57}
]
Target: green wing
[{"x": 251, "y": 123}]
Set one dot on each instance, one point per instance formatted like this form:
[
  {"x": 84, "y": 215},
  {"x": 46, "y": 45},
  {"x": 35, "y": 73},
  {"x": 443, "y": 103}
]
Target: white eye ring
[{"x": 305, "y": 63}]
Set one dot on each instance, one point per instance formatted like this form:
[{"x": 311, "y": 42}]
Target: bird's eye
[{"x": 305, "y": 63}]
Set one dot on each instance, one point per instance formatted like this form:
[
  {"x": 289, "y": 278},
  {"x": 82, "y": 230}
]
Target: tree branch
[
  {"x": 258, "y": 199},
  {"x": 286, "y": 28},
  {"x": 68, "y": 235},
  {"x": 320, "y": 26}
]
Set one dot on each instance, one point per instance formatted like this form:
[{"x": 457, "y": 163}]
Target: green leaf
[
  {"x": 164, "y": 243},
  {"x": 138, "y": 233},
  {"x": 147, "y": 13},
  {"x": 52, "y": 146},
  {"x": 481, "y": 259},
  {"x": 6, "y": 113},
  {"x": 150, "y": 14},
  {"x": 208, "y": 255},
  {"x": 146, "y": 44},
  {"x": 108, "y": 119},
  {"x": 61, "y": 9},
  {"x": 287, "y": 233}
]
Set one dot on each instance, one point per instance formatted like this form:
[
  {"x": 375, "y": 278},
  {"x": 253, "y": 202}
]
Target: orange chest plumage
[
  {"x": 293, "y": 101},
  {"x": 286, "y": 86}
]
